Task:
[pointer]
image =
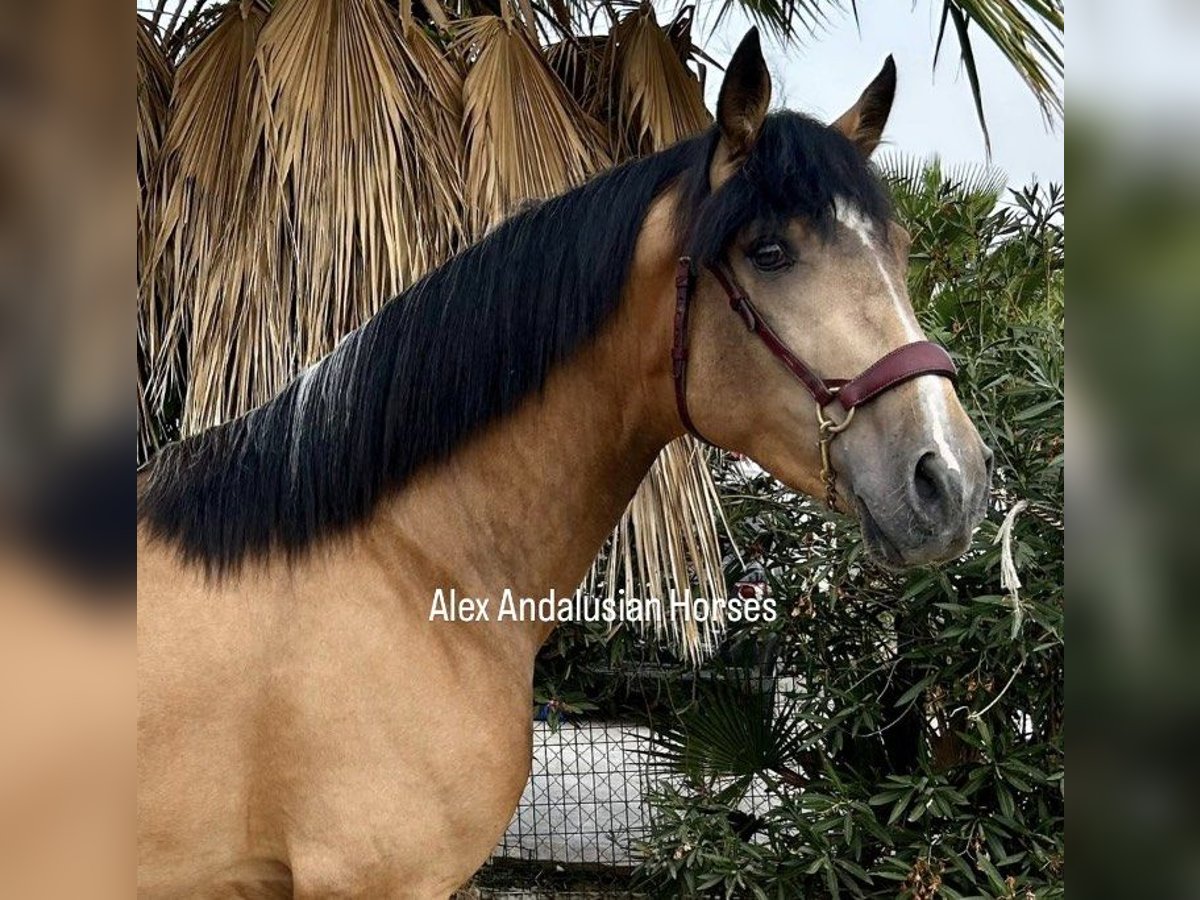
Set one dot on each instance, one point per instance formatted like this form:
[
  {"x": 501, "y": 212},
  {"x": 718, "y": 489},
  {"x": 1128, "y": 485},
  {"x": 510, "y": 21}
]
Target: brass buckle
[{"x": 827, "y": 429}]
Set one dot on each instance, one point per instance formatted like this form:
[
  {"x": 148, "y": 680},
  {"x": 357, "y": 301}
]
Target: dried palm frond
[
  {"x": 199, "y": 188},
  {"x": 526, "y": 137},
  {"x": 153, "y": 100},
  {"x": 365, "y": 153},
  {"x": 338, "y": 183},
  {"x": 436, "y": 72},
  {"x": 434, "y": 79},
  {"x": 581, "y": 65},
  {"x": 658, "y": 101},
  {"x": 666, "y": 547}
]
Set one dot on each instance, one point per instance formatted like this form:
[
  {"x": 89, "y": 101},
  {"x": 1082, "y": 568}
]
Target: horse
[{"x": 305, "y": 729}]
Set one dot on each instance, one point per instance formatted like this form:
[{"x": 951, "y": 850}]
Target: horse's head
[{"x": 792, "y": 217}]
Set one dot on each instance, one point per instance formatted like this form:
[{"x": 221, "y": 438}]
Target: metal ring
[{"x": 832, "y": 426}]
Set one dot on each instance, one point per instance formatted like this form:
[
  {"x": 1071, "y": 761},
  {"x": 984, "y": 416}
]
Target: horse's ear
[
  {"x": 744, "y": 98},
  {"x": 863, "y": 123}
]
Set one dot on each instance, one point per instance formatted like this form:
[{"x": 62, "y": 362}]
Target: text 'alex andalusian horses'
[{"x": 486, "y": 430}]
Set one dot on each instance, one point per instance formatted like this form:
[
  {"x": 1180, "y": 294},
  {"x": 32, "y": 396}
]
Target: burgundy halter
[{"x": 895, "y": 368}]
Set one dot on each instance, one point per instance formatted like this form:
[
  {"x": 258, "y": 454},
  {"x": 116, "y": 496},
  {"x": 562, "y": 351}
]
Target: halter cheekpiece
[{"x": 893, "y": 369}]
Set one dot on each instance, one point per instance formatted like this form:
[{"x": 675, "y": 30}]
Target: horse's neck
[{"x": 527, "y": 504}]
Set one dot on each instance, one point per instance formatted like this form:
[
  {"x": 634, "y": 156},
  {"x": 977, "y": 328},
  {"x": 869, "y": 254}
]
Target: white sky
[{"x": 933, "y": 112}]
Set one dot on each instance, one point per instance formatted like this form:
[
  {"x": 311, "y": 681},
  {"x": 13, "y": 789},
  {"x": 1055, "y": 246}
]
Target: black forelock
[{"x": 798, "y": 168}]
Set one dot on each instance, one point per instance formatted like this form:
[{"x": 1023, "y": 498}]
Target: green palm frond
[
  {"x": 1028, "y": 33},
  {"x": 732, "y": 730},
  {"x": 785, "y": 18},
  {"x": 907, "y": 174}
]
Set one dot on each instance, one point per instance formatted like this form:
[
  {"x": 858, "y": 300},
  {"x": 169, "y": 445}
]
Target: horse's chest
[{"x": 422, "y": 759}]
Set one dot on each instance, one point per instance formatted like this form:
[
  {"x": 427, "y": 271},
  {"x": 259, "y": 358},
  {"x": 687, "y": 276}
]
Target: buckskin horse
[{"x": 305, "y": 729}]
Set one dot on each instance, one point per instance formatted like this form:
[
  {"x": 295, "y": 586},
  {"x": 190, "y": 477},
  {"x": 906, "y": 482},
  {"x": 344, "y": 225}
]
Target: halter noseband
[{"x": 893, "y": 369}]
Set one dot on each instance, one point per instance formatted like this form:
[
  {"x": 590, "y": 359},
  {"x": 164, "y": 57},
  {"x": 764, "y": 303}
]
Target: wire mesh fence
[
  {"x": 585, "y": 799},
  {"x": 585, "y": 810}
]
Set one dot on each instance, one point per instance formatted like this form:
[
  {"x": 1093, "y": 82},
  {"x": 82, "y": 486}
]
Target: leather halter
[{"x": 900, "y": 365}]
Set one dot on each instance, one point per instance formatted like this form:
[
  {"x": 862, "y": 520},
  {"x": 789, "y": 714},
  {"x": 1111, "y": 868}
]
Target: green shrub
[{"x": 922, "y": 724}]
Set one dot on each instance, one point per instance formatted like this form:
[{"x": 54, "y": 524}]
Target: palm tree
[{"x": 301, "y": 162}]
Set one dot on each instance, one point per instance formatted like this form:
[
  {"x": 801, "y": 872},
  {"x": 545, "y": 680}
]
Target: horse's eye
[{"x": 769, "y": 256}]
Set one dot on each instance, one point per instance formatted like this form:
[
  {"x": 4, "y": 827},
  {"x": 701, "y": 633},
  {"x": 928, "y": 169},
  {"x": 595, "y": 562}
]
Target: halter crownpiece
[{"x": 893, "y": 369}]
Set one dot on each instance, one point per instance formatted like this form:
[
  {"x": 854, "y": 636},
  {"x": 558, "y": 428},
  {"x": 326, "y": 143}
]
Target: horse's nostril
[
  {"x": 989, "y": 462},
  {"x": 925, "y": 478},
  {"x": 936, "y": 491}
]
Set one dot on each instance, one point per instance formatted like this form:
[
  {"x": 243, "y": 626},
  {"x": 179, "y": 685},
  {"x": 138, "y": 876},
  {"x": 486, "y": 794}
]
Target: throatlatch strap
[{"x": 679, "y": 347}]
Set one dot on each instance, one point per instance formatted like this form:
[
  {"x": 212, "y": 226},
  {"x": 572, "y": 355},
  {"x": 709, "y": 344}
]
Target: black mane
[{"x": 463, "y": 346}]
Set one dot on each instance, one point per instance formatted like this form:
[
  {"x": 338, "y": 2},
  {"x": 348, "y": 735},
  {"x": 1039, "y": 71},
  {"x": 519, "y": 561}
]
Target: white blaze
[{"x": 931, "y": 389}]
